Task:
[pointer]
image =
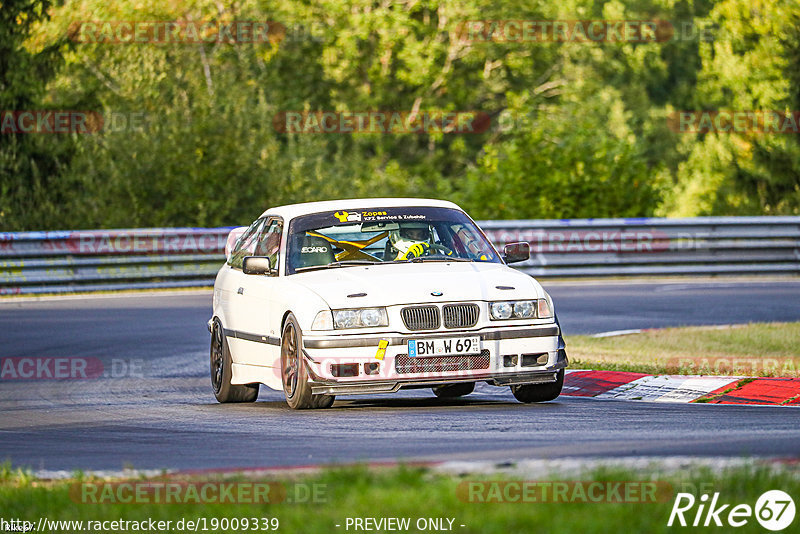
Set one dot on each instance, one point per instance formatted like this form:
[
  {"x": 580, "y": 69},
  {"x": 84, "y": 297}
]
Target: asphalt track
[{"x": 163, "y": 415}]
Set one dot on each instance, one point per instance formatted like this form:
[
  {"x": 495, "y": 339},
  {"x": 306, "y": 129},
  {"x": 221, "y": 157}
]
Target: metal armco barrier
[
  {"x": 654, "y": 247},
  {"x": 98, "y": 260}
]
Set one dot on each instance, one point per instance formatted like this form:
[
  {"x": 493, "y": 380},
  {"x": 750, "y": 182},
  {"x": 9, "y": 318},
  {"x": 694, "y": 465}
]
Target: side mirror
[
  {"x": 257, "y": 265},
  {"x": 516, "y": 252}
]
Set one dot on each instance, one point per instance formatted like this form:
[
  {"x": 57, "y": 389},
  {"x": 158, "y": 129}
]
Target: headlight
[
  {"x": 524, "y": 309},
  {"x": 371, "y": 316},
  {"x": 520, "y": 309},
  {"x": 360, "y": 318},
  {"x": 501, "y": 310},
  {"x": 345, "y": 318}
]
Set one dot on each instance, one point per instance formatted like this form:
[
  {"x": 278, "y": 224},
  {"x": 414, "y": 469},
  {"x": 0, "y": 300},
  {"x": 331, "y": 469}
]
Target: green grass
[
  {"x": 414, "y": 493},
  {"x": 756, "y": 349}
]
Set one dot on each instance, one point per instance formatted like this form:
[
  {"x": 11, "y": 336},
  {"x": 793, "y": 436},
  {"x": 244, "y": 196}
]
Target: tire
[
  {"x": 294, "y": 374},
  {"x": 451, "y": 391},
  {"x": 539, "y": 392},
  {"x": 221, "y": 372}
]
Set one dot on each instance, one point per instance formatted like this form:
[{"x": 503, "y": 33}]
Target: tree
[
  {"x": 751, "y": 65},
  {"x": 30, "y": 191}
]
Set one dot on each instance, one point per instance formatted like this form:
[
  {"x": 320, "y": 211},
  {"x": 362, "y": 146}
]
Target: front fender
[{"x": 298, "y": 299}]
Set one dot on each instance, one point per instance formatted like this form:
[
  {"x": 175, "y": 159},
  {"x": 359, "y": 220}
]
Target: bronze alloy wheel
[
  {"x": 289, "y": 361},
  {"x": 294, "y": 374}
]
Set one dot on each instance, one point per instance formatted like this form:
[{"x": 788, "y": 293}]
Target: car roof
[{"x": 293, "y": 210}]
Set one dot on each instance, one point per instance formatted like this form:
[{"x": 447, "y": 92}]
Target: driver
[{"x": 411, "y": 240}]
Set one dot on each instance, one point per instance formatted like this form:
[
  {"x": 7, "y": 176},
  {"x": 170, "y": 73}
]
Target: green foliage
[
  {"x": 574, "y": 160},
  {"x": 418, "y": 493},
  {"x": 578, "y": 129},
  {"x": 30, "y": 166},
  {"x": 751, "y": 64}
]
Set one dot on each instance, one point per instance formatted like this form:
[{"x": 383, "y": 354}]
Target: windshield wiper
[
  {"x": 354, "y": 263},
  {"x": 421, "y": 259},
  {"x": 346, "y": 263}
]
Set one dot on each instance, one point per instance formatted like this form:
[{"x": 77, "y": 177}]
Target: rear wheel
[
  {"x": 454, "y": 390},
  {"x": 221, "y": 371},
  {"x": 294, "y": 374},
  {"x": 539, "y": 392}
]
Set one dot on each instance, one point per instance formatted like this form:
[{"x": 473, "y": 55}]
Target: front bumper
[{"x": 510, "y": 355}]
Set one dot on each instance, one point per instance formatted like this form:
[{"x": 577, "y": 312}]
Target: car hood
[{"x": 415, "y": 283}]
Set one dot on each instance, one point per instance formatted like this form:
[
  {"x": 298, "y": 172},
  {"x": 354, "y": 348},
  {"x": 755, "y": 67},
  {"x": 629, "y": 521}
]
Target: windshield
[{"x": 384, "y": 235}]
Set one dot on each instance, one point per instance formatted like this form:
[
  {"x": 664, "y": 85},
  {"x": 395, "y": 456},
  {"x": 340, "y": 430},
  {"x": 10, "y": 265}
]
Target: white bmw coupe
[{"x": 375, "y": 295}]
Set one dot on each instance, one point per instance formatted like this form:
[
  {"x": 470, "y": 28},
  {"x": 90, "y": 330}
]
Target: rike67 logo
[{"x": 774, "y": 510}]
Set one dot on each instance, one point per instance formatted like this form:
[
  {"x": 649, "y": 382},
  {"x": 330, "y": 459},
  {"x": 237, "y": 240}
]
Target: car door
[
  {"x": 249, "y": 310},
  {"x": 230, "y": 282},
  {"x": 227, "y": 282}
]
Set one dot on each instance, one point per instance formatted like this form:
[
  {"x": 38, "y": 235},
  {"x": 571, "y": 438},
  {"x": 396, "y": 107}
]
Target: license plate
[{"x": 444, "y": 347}]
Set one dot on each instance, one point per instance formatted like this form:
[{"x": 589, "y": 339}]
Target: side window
[
  {"x": 246, "y": 244},
  {"x": 269, "y": 243}
]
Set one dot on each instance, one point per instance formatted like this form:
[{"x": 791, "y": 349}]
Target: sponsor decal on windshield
[
  {"x": 376, "y": 215},
  {"x": 347, "y": 216}
]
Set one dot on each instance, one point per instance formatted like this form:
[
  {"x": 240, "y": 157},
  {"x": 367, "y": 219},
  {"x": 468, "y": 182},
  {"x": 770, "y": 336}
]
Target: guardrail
[
  {"x": 100, "y": 260},
  {"x": 97, "y": 260},
  {"x": 655, "y": 247}
]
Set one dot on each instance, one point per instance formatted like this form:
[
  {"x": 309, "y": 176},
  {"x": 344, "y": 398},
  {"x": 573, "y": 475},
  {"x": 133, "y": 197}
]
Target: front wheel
[
  {"x": 221, "y": 371},
  {"x": 294, "y": 374},
  {"x": 539, "y": 392}
]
